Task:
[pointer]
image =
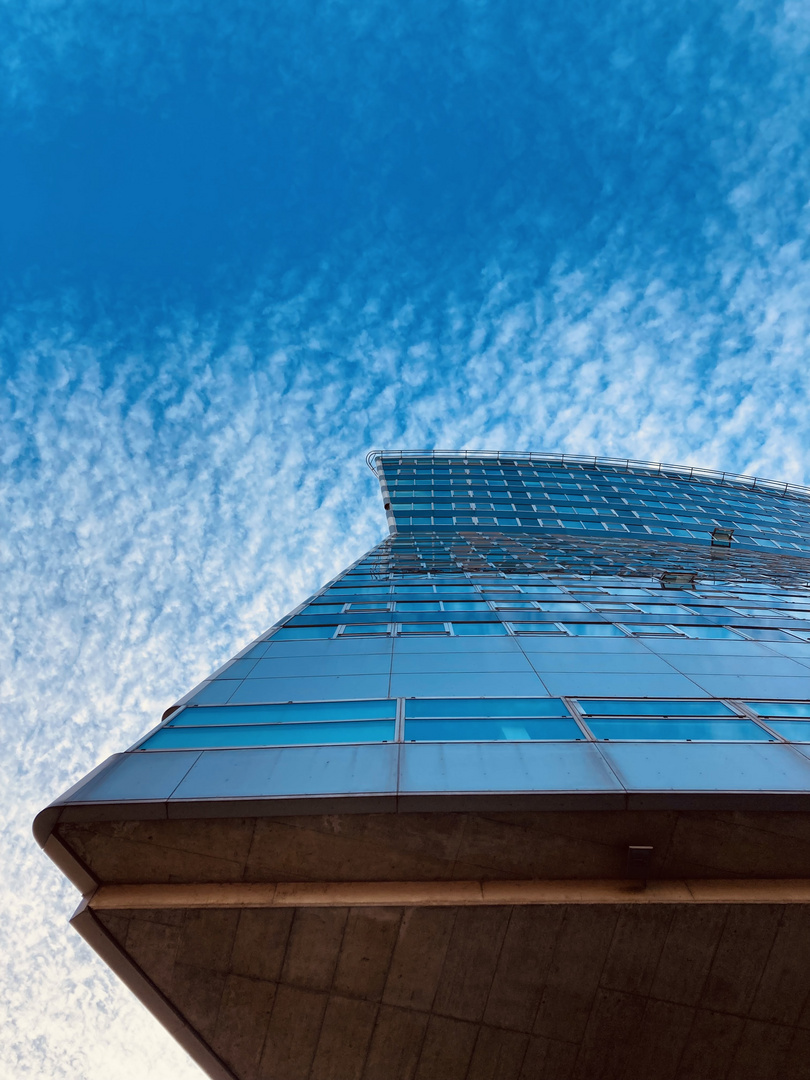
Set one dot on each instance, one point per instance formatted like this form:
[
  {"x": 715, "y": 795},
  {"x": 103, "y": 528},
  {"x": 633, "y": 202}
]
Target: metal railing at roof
[{"x": 658, "y": 468}]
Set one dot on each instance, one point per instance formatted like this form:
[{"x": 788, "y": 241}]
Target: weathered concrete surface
[
  {"x": 436, "y": 846},
  {"x": 490, "y": 993},
  {"x": 500, "y": 991}
]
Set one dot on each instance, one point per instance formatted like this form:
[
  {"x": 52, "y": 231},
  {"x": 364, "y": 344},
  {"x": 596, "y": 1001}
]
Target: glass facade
[
  {"x": 530, "y": 599},
  {"x": 547, "y": 744}
]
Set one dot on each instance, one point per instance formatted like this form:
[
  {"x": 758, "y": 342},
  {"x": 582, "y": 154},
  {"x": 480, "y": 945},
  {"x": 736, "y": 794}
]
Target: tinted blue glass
[
  {"x": 418, "y": 605},
  {"x": 516, "y": 730},
  {"x": 693, "y": 730},
  {"x": 656, "y": 629},
  {"x": 795, "y": 730},
  {"x": 536, "y": 628},
  {"x": 465, "y": 605},
  {"x": 780, "y": 708},
  {"x": 626, "y": 707},
  {"x": 422, "y": 628},
  {"x": 287, "y": 633},
  {"x": 366, "y": 628},
  {"x": 271, "y": 735},
  {"x": 594, "y": 630},
  {"x": 767, "y": 635},
  {"x": 708, "y": 632},
  {"x": 324, "y": 609},
  {"x": 284, "y": 713},
  {"x": 478, "y": 629},
  {"x": 484, "y": 707}
]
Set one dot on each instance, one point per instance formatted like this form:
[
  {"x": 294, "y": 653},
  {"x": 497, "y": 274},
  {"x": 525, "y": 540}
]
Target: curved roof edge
[{"x": 688, "y": 472}]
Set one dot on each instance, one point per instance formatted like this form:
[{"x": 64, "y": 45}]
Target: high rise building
[{"x": 521, "y": 794}]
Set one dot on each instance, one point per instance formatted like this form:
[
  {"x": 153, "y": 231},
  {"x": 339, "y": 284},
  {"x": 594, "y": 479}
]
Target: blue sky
[{"x": 242, "y": 244}]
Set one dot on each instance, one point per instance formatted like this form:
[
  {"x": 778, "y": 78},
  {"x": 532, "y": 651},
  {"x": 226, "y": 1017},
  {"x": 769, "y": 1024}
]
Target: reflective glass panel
[
  {"x": 767, "y": 635},
  {"x": 708, "y": 632},
  {"x": 536, "y": 628},
  {"x": 467, "y": 707},
  {"x": 795, "y": 730},
  {"x": 652, "y": 629},
  {"x": 594, "y": 630},
  {"x": 366, "y": 628},
  {"x": 780, "y": 708},
  {"x": 465, "y": 605},
  {"x": 680, "y": 730},
  {"x": 481, "y": 629},
  {"x": 286, "y": 712},
  {"x": 287, "y": 633},
  {"x": 626, "y": 707},
  {"x": 490, "y": 730},
  {"x": 173, "y": 738}
]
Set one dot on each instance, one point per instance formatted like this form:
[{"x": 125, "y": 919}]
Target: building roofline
[{"x": 688, "y": 472}]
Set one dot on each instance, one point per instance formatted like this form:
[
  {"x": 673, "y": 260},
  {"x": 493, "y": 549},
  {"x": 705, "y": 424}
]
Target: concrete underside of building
[{"x": 482, "y": 944}]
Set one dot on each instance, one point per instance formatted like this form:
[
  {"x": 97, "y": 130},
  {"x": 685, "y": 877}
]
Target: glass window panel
[
  {"x": 287, "y": 633},
  {"x": 465, "y": 605},
  {"x": 652, "y": 629},
  {"x": 418, "y": 605},
  {"x": 478, "y": 629},
  {"x": 780, "y": 708},
  {"x": 594, "y": 630},
  {"x": 672, "y": 707},
  {"x": 511, "y": 605},
  {"x": 767, "y": 635},
  {"x": 271, "y": 735},
  {"x": 422, "y": 628},
  {"x": 285, "y": 712},
  {"x": 366, "y": 628},
  {"x": 665, "y": 609},
  {"x": 537, "y": 628},
  {"x": 708, "y": 632},
  {"x": 366, "y": 606},
  {"x": 680, "y": 730},
  {"x": 516, "y": 730},
  {"x": 324, "y": 609},
  {"x": 484, "y": 707},
  {"x": 795, "y": 730}
]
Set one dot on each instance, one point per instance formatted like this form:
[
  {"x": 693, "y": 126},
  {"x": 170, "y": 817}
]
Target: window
[
  {"x": 287, "y": 633},
  {"x": 488, "y": 719},
  {"x": 780, "y": 708},
  {"x": 651, "y": 630},
  {"x": 651, "y": 707},
  {"x": 594, "y": 630},
  {"x": 476, "y": 730},
  {"x": 767, "y": 635},
  {"x": 537, "y": 628},
  {"x": 259, "y": 735},
  {"x": 364, "y": 629},
  {"x": 709, "y": 632},
  {"x": 481, "y": 629},
  {"x": 422, "y": 628},
  {"x": 738, "y": 730},
  {"x": 486, "y": 707}
]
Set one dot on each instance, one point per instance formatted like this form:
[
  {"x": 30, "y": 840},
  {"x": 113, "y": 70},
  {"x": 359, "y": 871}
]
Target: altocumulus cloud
[{"x": 175, "y": 477}]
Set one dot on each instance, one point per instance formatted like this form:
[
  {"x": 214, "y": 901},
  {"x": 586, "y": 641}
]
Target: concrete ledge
[{"x": 450, "y": 893}]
